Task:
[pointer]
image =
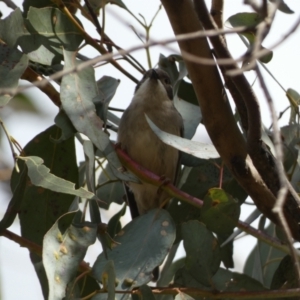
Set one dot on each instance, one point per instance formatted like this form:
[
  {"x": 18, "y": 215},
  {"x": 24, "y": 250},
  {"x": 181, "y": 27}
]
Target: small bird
[{"x": 154, "y": 97}]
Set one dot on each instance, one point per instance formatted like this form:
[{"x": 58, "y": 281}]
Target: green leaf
[
  {"x": 42, "y": 35},
  {"x": 225, "y": 280},
  {"x": 284, "y": 276},
  {"x": 64, "y": 247},
  {"x": 290, "y": 134},
  {"x": 42, "y": 206},
  {"x": 269, "y": 259},
  {"x": 140, "y": 247},
  {"x": 191, "y": 115},
  {"x": 13, "y": 23},
  {"x": 50, "y": 31},
  {"x": 37, "y": 3},
  {"x": 15, "y": 202},
  {"x": 107, "y": 87},
  {"x": 185, "y": 99},
  {"x": 294, "y": 99},
  {"x": 40, "y": 176},
  {"x": 197, "y": 149},
  {"x": 146, "y": 292},
  {"x": 202, "y": 251},
  {"x": 283, "y": 7},
  {"x": 250, "y": 20},
  {"x": 186, "y": 92},
  {"x": 245, "y": 19},
  {"x": 114, "y": 225},
  {"x": 12, "y": 65},
  {"x": 77, "y": 93},
  {"x": 66, "y": 126},
  {"x": 220, "y": 212},
  {"x": 110, "y": 190}
]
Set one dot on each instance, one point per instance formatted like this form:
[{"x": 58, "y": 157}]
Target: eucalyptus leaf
[
  {"x": 220, "y": 212},
  {"x": 39, "y": 205},
  {"x": 250, "y": 20},
  {"x": 82, "y": 88},
  {"x": 202, "y": 251},
  {"x": 191, "y": 116},
  {"x": 107, "y": 87},
  {"x": 12, "y": 65},
  {"x": 16, "y": 201},
  {"x": 64, "y": 247},
  {"x": 40, "y": 176},
  {"x": 269, "y": 259},
  {"x": 197, "y": 149},
  {"x": 283, "y": 7},
  {"x": 109, "y": 188},
  {"x": 140, "y": 246},
  {"x": 66, "y": 126}
]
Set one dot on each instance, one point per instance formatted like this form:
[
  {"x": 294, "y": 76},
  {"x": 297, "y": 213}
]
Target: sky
[{"x": 14, "y": 261}]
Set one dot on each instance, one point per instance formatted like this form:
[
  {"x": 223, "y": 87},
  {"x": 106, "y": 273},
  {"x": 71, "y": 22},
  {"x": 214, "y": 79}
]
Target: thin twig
[
  {"x": 149, "y": 177},
  {"x": 209, "y": 294},
  {"x": 284, "y": 187},
  {"x": 121, "y": 52}
]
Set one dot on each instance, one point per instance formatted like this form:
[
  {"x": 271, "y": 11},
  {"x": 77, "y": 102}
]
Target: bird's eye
[{"x": 167, "y": 81}]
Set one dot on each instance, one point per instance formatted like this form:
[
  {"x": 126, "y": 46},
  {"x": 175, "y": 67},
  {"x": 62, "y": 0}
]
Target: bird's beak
[{"x": 153, "y": 75}]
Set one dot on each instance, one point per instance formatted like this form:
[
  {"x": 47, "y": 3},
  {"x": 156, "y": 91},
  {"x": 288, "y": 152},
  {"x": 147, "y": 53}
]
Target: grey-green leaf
[
  {"x": 77, "y": 93},
  {"x": 140, "y": 247},
  {"x": 40, "y": 176},
  {"x": 202, "y": 251},
  {"x": 12, "y": 65},
  {"x": 196, "y": 149},
  {"x": 63, "y": 251}
]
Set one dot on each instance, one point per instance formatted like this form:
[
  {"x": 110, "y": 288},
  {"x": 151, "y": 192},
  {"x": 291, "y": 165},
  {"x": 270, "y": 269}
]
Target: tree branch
[{"x": 218, "y": 117}]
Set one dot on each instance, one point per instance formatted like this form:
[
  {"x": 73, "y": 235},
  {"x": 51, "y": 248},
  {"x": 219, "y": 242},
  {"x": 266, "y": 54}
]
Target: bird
[{"x": 153, "y": 97}]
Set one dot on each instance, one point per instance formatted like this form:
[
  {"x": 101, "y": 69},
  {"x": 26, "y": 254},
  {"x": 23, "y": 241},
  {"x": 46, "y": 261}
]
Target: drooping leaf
[
  {"x": 16, "y": 201},
  {"x": 284, "y": 276},
  {"x": 42, "y": 35},
  {"x": 168, "y": 65},
  {"x": 40, "y": 176},
  {"x": 245, "y": 19},
  {"x": 107, "y": 87},
  {"x": 232, "y": 281},
  {"x": 186, "y": 92},
  {"x": 77, "y": 93},
  {"x": 220, "y": 212},
  {"x": 12, "y": 65},
  {"x": 114, "y": 225},
  {"x": 294, "y": 99},
  {"x": 283, "y": 7},
  {"x": 185, "y": 99},
  {"x": 250, "y": 20},
  {"x": 110, "y": 189},
  {"x": 66, "y": 126},
  {"x": 50, "y": 31},
  {"x": 42, "y": 206},
  {"x": 191, "y": 116},
  {"x": 141, "y": 246},
  {"x": 14, "y": 22},
  {"x": 202, "y": 251},
  {"x": 223, "y": 280},
  {"x": 197, "y": 149},
  {"x": 269, "y": 259},
  {"x": 37, "y": 3},
  {"x": 64, "y": 247}
]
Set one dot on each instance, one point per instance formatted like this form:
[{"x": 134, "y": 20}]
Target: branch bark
[{"x": 217, "y": 114}]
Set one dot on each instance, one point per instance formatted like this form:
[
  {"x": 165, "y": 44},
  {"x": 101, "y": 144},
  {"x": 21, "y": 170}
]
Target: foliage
[{"x": 52, "y": 193}]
